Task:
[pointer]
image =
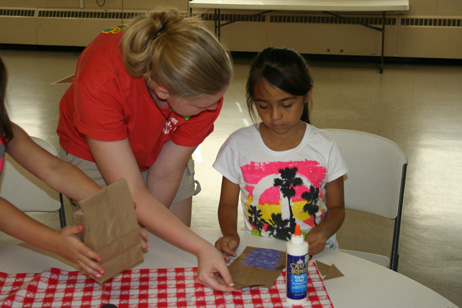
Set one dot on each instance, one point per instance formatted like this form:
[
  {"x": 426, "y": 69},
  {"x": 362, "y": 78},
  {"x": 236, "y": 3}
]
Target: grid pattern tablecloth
[{"x": 174, "y": 287}]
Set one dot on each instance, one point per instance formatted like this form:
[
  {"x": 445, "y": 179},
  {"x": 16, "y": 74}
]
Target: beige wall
[
  {"x": 417, "y": 7},
  {"x": 404, "y": 38},
  {"x": 435, "y": 7},
  {"x": 93, "y": 4}
]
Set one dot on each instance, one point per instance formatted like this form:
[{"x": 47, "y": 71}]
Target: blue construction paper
[{"x": 263, "y": 258}]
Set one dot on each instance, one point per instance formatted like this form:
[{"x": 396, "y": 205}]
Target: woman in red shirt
[{"x": 143, "y": 98}]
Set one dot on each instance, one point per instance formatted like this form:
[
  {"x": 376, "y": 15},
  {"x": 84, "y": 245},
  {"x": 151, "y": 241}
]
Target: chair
[
  {"x": 374, "y": 183},
  {"x": 27, "y": 192}
]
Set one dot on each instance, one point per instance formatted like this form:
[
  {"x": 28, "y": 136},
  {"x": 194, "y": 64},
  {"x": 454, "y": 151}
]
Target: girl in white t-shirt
[{"x": 287, "y": 171}]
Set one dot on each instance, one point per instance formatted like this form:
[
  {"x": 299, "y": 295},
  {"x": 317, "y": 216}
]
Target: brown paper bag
[
  {"x": 328, "y": 271},
  {"x": 252, "y": 268},
  {"x": 111, "y": 229}
]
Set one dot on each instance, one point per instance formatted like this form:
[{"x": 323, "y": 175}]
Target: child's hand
[
  {"x": 70, "y": 247},
  {"x": 144, "y": 238},
  {"x": 227, "y": 245},
  {"x": 316, "y": 240}
]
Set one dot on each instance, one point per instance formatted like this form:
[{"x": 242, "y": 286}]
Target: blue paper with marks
[{"x": 263, "y": 258}]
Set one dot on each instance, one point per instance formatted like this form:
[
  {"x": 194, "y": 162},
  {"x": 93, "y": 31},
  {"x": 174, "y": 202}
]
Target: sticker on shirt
[
  {"x": 115, "y": 29},
  {"x": 282, "y": 194},
  {"x": 170, "y": 125}
]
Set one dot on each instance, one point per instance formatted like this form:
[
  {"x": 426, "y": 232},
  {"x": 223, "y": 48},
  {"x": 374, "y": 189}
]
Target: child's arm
[
  {"x": 335, "y": 216},
  {"x": 227, "y": 216},
  {"x": 56, "y": 173},
  {"x": 62, "y": 177},
  {"x": 61, "y": 242}
]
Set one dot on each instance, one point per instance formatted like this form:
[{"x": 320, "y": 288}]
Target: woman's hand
[
  {"x": 70, "y": 247},
  {"x": 143, "y": 235},
  {"x": 227, "y": 245},
  {"x": 213, "y": 272}
]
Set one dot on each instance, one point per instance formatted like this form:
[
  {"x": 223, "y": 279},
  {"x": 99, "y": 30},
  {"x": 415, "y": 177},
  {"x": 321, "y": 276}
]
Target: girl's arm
[
  {"x": 227, "y": 216},
  {"x": 115, "y": 160},
  {"x": 335, "y": 216},
  {"x": 64, "y": 242},
  {"x": 62, "y": 177},
  {"x": 56, "y": 173}
]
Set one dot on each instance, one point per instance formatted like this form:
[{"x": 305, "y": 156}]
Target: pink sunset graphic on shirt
[{"x": 282, "y": 194}]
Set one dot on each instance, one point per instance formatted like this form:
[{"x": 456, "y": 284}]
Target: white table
[
  {"x": 325, "y": 6},
  {"x": 305, "y": 5},
  {"x": 365, "y": 284}
]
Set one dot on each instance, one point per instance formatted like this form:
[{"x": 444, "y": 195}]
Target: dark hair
[
  {"x": 283, "y": 68},
  {"x": 6, "y": 129}
]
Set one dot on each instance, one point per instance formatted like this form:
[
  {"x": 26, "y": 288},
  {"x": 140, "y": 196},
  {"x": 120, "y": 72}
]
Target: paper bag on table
[
  {"x": 328, "y": 271},
  {"x": 111, "y": 229},
  {"x": 257, "y": 267}
]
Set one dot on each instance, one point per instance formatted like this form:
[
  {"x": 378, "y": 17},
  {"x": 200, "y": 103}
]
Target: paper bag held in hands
[{"x": 111, "y": 229}]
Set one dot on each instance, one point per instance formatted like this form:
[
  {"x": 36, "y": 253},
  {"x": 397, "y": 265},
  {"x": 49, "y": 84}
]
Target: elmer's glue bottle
[{"x": 297, "y": 268}]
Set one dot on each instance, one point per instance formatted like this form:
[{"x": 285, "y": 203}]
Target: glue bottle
[{"x": 297, "y": 268}]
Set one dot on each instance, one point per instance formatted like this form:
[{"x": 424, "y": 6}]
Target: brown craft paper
[
  {"x": 328, "y": 271},
  {"x": 111, "y": 229},
  {"x": 246, "y": 275}
]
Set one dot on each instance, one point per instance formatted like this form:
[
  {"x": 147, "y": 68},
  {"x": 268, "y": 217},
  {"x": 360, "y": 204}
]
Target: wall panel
[{"x": 430, "y": 29}]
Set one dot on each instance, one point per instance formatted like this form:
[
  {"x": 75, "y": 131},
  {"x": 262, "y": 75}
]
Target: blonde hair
[{"x": 178, "y": 51}]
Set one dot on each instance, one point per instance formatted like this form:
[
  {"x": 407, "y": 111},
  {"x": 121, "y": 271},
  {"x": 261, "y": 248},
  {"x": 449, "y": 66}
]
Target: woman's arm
[
  {"x": 227, "y": 216},
  {"x": 165, "y": 174},
  {"x": 335, "y": 216},
  {"x": 115, "y": 160}
]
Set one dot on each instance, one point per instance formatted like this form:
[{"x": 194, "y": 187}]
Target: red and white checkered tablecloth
[{"x": 173, "y": 287}]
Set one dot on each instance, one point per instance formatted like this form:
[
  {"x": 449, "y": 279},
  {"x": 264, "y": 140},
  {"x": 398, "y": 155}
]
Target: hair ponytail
[{"x": 178, "y": 51}]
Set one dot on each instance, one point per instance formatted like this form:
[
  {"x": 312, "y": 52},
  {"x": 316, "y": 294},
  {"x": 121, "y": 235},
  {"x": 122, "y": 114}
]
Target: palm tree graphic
[
  {"x": 286, "y": 184},
  {"x": 254, "y": 216},
  {"x": 311, "y": 206},
  {"x": 277, "y": 227}
]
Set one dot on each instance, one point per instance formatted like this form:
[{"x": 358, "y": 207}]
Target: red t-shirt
[{"x": 105, "y": 103}]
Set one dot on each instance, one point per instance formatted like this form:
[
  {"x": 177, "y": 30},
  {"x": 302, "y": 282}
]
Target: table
[
  {"x": 325, "y": 6},
  {"x": 365, "y": 284}
]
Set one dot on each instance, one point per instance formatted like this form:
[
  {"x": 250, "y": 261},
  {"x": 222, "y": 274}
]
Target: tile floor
[{"x": 417, "y": 105}]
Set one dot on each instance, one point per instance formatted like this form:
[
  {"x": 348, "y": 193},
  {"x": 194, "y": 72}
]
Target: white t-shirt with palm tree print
[{"x": 281, "y": 188}]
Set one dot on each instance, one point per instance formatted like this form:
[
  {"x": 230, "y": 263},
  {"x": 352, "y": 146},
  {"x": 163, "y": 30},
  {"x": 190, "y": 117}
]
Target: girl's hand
[
  {"x": 316, "y": 239},
  {"x": 213, "y": 272},
  {"x": 144, "y": 239},
  {"x": 70, "y": 247},
  {"x": 227, "y": 245}
]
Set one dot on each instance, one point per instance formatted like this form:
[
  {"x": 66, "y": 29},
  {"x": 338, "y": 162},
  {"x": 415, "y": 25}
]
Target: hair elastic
[
  {"x": 159, "y": 31},
  {"x": 155, "y": 35}
]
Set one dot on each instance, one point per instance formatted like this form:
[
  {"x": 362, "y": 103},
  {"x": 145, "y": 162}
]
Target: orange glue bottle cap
[
  {"x": 297, "y": 237},
  {"x": 297, "y": 230}
]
